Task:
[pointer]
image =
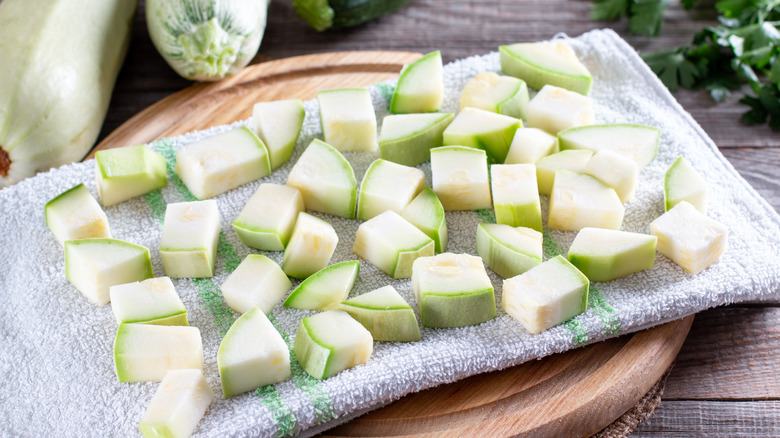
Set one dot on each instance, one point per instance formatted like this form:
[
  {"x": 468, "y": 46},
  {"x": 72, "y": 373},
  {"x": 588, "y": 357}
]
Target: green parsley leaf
[
  {"x": 672, "y": 68},
  {"x": 647, "y": 16},
  {"x": 607, "y": 10}
]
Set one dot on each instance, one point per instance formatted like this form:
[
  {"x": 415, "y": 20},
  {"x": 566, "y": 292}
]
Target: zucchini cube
[
  {"x": 75, "y": 214},
  {"x": 152, "y": 301},
  {"x": 348, "y": 119},
  {"x": 426, "y": 213},
  {"x": 484, "y": 130},
  {"x": 311, "y": 246},
  {"x": 578, "y": 201},
  {"x": 278, "y": 124},
  {"x": 188, "y": 244},
  {"x": 331, "y": 342},
  {"x": 408, "y": 138},
  {"x": 460, "y": 177},
  {"x": 267, "y": 220},
  {"x": 547, "y": 62},
  {"x": 636, "y": 142},
  {"x": 388, "y": 186},
  {"x": 145, "y": 352},
  {"x": 529, "y": 145},
  {"x": 507, "y": 250},
  {"x": 178, "y": 405},
  {"x": 554, "y": 109},
  {"x": 605, "y": 255},
  {"x": 614, "y": 170},
  {"x": 385, "y": 314},
  {"x": 420, "y": 88},
  {"x": 683, "y": 183},
  {"x": 516, "y": 195},
  {"x": 492, "y": 92},
  {"x": 256, "y": 282},
  {"x": 574, "y": 160},
  {"x": 127, "y": 172}
]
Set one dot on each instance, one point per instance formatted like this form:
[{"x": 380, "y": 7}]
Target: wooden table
[{"x": 726, "y": 379}]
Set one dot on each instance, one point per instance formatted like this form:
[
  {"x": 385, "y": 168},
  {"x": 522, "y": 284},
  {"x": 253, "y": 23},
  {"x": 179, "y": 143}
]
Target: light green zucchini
[
  {"x": 206, "y": 40},
  {"x": 58, "y": 63}
]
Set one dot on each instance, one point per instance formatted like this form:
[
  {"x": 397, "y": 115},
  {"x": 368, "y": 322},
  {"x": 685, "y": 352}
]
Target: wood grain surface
[
  {"x": 572, "y": 394},
  {"x": 711, "y": 395}
]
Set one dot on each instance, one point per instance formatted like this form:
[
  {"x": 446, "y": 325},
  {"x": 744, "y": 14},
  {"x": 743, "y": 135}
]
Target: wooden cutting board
[{"x": 576, "y": 393}]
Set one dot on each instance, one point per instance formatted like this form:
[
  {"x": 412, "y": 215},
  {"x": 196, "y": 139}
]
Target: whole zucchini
[
  {"x": 206, "y": 40},
  {"x": 58, "y": 63},
  {"x": 336, "y": 14}
]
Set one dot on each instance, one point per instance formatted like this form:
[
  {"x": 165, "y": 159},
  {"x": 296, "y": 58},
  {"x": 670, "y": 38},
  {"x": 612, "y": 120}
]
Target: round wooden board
[{"x": 576, "y": 393}]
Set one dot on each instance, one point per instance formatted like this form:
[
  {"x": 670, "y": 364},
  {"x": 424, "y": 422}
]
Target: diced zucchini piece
[
  {"x": 326, "y": 288},
  {"x": 460, "y": 177},
  {"x": 392, "y": 244},
  {"x": 388, "y": 186},
  {"x": 311, "y": 246},
  {"x": 516, "y": 196},
  {"x": 331, "y": 342},
  {"x": 256, "y": 282},
  {"x": 75, "y": 214},
  {"x": 278, "y": 124},
  {"x": 179, "y": 403},
  {"x": 543, "y": 63},
  {"x": 420, "y": 88},
  {"x": 484, "y": 130},
  {"x": 614, "y": 170},
  {"x": 385, "y": 314},
  {"x": 408, "y": 138},
  {"x": 554, "y": 109},
  {"x": 529, "y": 145},
  {"x": 326, "y": 180},
  {"x": 508, "y": 250},
  {"x": 452, "y": 290},
  {"x": 546, "y": 295},
  {"x": 546, "y": 167},
  {"x": 426, "y": 213},
  {"x": 127, "y": 172},
  {"x": 578, "y": 201},
  {"x": 348, "y": 119},
  {"x": 222, "y": 162},
  {"x": 689, "y": 238},
  {"x": 188, "y": 244},
  {"x": 267, "y": 220},
  {"x": 683, "y": 183},
  {"x": 152, "y": 301},
  {"x": 637, "y": 142},
  {"x": 94, "y": 265},
  {"x": 252, "y": 354},
  {"x": 145, "y": 352},
  {"x": 605, "y": 255},
  {"x": 489, "y": 91}
]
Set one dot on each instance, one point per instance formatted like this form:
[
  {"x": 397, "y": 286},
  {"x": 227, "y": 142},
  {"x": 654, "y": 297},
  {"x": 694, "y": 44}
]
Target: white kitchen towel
[{"x": 56, "y": 348}]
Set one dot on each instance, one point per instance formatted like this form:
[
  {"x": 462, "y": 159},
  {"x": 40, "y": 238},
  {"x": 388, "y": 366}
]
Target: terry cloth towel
[{"x": 56, "y": 348}]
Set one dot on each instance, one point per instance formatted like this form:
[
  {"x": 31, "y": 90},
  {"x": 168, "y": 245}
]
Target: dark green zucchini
[{"x": 335, "y": 14}]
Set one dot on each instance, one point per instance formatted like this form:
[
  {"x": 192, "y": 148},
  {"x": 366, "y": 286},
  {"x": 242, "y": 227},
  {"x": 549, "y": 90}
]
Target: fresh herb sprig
[{"x": 743, "y": 48}]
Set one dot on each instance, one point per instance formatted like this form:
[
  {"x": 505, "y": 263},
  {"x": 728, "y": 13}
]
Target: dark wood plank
[
  {"x": 712, "y": 419},
  {"x": 730, "y": 354},
  {"x": 761, "y": 168}
]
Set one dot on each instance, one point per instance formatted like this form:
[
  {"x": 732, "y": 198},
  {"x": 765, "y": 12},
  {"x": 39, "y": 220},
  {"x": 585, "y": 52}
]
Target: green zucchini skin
[
  {"x": 59, "y": 60},
  {"x": 206, "y": 40},
  {"x": 336, "y": 14}
]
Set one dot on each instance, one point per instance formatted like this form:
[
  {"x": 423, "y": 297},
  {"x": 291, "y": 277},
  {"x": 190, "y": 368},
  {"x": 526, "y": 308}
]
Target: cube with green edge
[
  {"x": 151, "y": 301},
  {"x": 452, "y": 290},
  {"x": 408, "y": 138},
  {"x": 252, "y": 354},
  {"x": 326, "y": 288},
  {"x": 614, "y": 170},
  {"x": 278, "y": 124},
  {"x": 546, "y": 295},
  {"x": 484, "y": 130},
  {"x": 145, "y": 352},
  {"x": 683, "y": 183},
  {"x": 516, "y": 196},
  {"x": 529, "y": 145},
  {"x": 460, "y": 178},
  {"x": 391, "y": 243},
  {"x": 385, "y": 314},
  {"x": 94, "y": 265},
  {"x": 188, "y": 243},
  {"x": 689, "y": 238},
  {"x": 178, "y": 405},
  {"x": 222, "y": 162},
  {"x": 267, "y": 219},
  {"x": 257, "y": 281},
  {"x": 546, "y": 167},
  {"x": 426, "y": 213},
  {"x": 578, "y": 201},
  {"x": 388, "y": 186},
  {"x": 325, "y": 179},
  {"x": 127, "y": 172},
  {"x": 605, "y": 255},
  {"x": 547, "y": 62},
  {"x": 554, "y": 109},
  {"x": 420, "y": 88},
  {"x": 508, "y": 250},
  {"x": 75, "y": 214},
  {"x": 311, "y": 246},
  {"x": 348, "y": 119},
  {"x": 637, "y": 142},
  {"x": 330, "y": 342},
  {"x": 492, "y": 92}
]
